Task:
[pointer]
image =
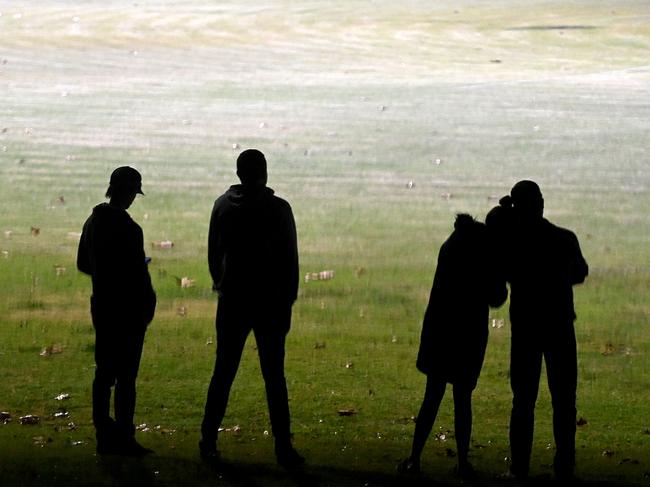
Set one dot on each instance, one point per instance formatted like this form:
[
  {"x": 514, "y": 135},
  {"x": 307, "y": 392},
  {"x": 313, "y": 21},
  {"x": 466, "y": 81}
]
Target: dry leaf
[
  {"x": 319, "y": 276},
  {"x": 346, "y": 412},
  {"x": 51, "y": 350},
  {"x": 164, "y": 244},
  {"x": 29, "y": 419}
]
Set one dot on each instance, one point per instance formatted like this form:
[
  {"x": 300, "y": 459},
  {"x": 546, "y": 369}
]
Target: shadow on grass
[{"x": 162, "y": 470}]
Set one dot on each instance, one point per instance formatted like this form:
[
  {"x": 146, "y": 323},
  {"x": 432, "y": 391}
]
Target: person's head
[
  {"x": 527, "y": 200},
  {"x": 124, "y": 185},
  {"x": 499, "y": 218},
  {"x": 251, "y": 168}
]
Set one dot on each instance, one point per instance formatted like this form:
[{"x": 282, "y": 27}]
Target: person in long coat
[{"x": 454, "y": 335}]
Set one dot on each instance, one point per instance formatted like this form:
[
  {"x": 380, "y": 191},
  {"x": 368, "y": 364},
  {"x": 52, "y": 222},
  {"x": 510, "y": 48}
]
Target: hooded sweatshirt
[
  {"x": 252, "y": 247},
  {"x": 111, "y": 252}
]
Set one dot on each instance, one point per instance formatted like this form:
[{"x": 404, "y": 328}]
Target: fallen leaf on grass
[
  {"x": 628, "y": 461},
  {"x": 581, "y": 422},
  {"x": 51, "y": 350},
  {"x": 235, "y": 430},
  {"x": 61, "y": 413},
  {"x": 29, "y": 419},
  {"x": 498, "y": 323},
  {"x": 69, "y": 427},
  {"x": 346, "y": 412},
  {"x": 41, "y": 441},
  {"x": 319, "y": 276},
  {"x": 443, "y": 436},
  {"x": 319, "y": 345},
  {"x": 62, "y": 397},
  {"x": 163, "y": 244},
  {"x": 184, "y": 282}
]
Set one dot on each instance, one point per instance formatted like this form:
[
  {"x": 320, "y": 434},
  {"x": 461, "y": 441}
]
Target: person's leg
[
  {"x": 101, "y": 391},
  {"x": 463, "y": 425},
  {"x": 232, "y": 331},
  {"x": 525, "y": 370},
  {"x": 433, "y": 394},
  {"x": 270, "y": 347},
  {"x": 127, "y": 356},
  {"x": 271, "y": 338},
  {"x": 562, "y": 374}
]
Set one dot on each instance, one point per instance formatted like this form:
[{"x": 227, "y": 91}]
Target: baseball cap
[{"x": 127, "y": 178}]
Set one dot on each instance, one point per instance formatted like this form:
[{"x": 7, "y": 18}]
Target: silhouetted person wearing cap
[
  {"x": 253, "y": 260},
  {"x": 122, "y": 305},
  {"x": 455, "y": 332},
  {"x": 543, "y": 264}
]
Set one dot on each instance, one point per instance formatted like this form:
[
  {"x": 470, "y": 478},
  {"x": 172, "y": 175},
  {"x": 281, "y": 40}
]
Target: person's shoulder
[
  {"x": 279, "y": 202},
  {"x": 560, "y": 232}
]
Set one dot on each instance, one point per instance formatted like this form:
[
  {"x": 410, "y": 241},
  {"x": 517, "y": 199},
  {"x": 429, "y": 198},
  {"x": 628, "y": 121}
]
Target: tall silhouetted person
[
  {"x": 123, "y": 302},
  {"x": 454, "y": 335},
  {"x": 253, "y": 260},
  {"x": 544, "y": 262}
]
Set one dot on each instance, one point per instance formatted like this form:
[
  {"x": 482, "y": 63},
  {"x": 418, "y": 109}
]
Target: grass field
[{"x": 380, "y": 121}]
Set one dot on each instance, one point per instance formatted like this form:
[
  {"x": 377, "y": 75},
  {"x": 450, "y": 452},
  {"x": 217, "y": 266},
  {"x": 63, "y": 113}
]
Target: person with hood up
[
  {"x": 467, "y": 282},
  {"x": 122, "y": 304},
  {"x": 253, "y": 261}
]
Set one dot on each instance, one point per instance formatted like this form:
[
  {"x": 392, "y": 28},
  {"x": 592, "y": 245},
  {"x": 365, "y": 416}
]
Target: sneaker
[
  {"x": 289, "y": 458},
  {"x": 208, "y": 452},
  {"x": 408, "y": 465},
  {"x": 566, "y": 477},
  {"x": 131, "y": 448},
  {"x": 467, "y": 472}
]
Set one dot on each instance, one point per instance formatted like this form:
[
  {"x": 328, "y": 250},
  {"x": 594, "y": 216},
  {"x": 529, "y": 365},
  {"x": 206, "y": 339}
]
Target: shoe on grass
[
  {"x": 289, "y": 458},
  {"x": 208, "y": 452},
  {"x": 408, "y": 466}
]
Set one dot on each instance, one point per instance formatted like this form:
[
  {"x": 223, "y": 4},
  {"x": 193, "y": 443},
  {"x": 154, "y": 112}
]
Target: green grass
[{"x": 349, "y": 103}]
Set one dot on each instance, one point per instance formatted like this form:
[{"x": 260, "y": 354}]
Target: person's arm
[
  {"x": 83, "y": 252},
  {"x": 215, "y": 249},
  {"x": 578, "y": 269},
  {"x": 293, "y": 260}
]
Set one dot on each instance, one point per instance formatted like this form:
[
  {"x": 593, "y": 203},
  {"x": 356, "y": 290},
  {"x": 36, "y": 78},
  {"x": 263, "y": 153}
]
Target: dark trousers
[
  {"x": 558, "y": 349},
  {"x": 234, "y": 323},
  {"x": 117, "y": 357}
]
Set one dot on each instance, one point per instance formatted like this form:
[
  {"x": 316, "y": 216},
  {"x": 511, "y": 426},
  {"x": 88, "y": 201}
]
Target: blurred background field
[{"x": 380, "y": 121}]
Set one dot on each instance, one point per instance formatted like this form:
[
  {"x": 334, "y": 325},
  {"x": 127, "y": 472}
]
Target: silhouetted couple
[{"x": 541, "y": 262}]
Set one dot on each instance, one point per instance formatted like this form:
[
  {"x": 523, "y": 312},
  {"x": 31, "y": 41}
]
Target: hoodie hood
[{"x": 241, "y": 195}]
